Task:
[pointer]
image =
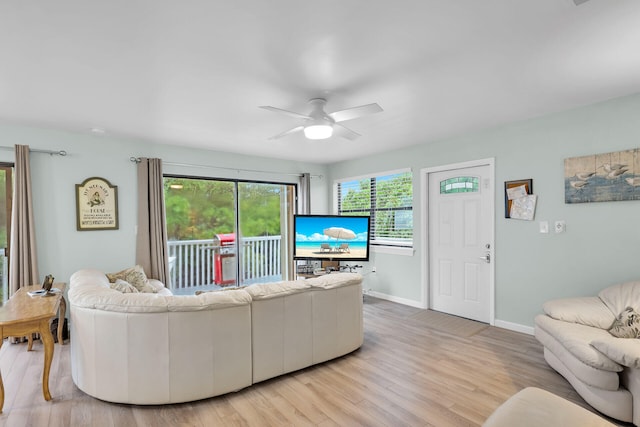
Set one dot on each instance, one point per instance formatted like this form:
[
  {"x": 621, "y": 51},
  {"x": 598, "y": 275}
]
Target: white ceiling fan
[{"x": 320, "y": 125}]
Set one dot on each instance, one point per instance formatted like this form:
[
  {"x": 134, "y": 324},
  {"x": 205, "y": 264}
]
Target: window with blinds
[{"x": 387, "y": 199}]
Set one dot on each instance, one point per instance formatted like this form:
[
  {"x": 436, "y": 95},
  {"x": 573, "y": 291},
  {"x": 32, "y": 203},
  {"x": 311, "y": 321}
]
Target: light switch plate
[
  {"x": 560, "y": 226},
  {"x": 544, "y": 226}
]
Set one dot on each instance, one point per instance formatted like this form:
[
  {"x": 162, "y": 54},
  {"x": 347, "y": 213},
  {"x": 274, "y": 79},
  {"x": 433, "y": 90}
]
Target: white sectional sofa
[
  {"x": 603, "y": 369},
  {"x": 157, "y": 348},
  {"x": 305, "y": 322}
]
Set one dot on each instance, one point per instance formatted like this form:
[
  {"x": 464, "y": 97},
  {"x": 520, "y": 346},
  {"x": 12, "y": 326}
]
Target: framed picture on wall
[
  {"x": 606, "y": 177},
  {"x": 514, "y": 190},
  {"x": 96, "y": 205}
]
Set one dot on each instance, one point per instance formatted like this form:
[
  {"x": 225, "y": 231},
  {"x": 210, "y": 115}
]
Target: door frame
[{"x": 424, "y": 225}]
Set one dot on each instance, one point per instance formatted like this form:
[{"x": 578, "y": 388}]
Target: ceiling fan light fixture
[
  {"x": 319, "y": 125},
  {"x": 319, "y": 131}
]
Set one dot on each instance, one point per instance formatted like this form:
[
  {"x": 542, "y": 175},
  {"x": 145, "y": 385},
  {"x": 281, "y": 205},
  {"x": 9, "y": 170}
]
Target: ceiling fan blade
[
  {"x": 344, "y": 132},
  {"x": 288, "y": 132},
  {"x": 288, "y": 113},
  {"x": 355, "y": 112}
]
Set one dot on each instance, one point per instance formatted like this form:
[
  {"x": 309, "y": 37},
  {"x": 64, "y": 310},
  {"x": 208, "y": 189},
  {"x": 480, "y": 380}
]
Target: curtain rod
[
  {"x": 35, "y": 150},
  {"x": 189, "y": 165}
]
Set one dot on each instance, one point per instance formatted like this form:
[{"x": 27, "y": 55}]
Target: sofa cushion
[
  {"x": 625, "y": 352},
  {"x": 576, "y": 339},
  {"x": 124, "y": 287},
  {"x": 626, "y": 325},
  {"x": 107, "y": 299},
  {"x": 619, "y": 297},
  {"x": 590, "y": 311},
  {"x": 135, "y": 276},
  {"x": 111, "y": 300},
  {"x": 334, "y": 280},
  {"x": 207, "y": 301},
  {"x": 277, "y": 289}
]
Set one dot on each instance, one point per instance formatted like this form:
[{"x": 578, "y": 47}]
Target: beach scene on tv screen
[{"x": 332, "y": 237}]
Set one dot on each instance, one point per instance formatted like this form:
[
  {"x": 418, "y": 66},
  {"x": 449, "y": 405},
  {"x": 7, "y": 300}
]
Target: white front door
[{"x": 460, "y": 236}]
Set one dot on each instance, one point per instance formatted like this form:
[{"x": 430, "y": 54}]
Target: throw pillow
[
  {"x": 626, "y": 325},
  {"x": 124, "y": 287},
  {"x": 136, "y": 277}
]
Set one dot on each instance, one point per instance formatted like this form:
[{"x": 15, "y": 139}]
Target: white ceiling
[{"x": 194, "y": 72}]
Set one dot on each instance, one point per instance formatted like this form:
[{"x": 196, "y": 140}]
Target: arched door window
[{"x": 459, "y": 184}]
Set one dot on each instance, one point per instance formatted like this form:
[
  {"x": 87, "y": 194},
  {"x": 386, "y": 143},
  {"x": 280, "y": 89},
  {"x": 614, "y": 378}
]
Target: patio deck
[
  {"x": 195, "y": 265},
  {"x": 191, "y": 290}
]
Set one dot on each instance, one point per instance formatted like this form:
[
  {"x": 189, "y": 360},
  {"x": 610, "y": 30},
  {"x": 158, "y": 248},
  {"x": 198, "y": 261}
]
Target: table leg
[
  {"x": 62, "y": 312},
  {"x": 30, "y": 341},
  {"x": 1, "y": 384},
  {"x": 47, "y": 341}
]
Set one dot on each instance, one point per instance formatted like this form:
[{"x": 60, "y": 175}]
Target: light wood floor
[{"x": 405, "y": 374}]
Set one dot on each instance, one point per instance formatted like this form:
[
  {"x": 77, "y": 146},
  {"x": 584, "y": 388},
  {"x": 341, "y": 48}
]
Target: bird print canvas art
[{"x": 602, "y": 177}]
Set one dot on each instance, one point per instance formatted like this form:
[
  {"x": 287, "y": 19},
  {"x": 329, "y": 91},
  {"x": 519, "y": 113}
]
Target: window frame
[{"x": 394, "y": 246}]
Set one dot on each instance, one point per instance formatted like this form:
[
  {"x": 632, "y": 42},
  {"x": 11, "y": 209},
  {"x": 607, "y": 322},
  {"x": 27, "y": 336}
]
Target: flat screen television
[{"x": 331, "y": 237}]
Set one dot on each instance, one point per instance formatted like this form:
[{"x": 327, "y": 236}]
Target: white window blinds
[{"x": 387, "y": 199}]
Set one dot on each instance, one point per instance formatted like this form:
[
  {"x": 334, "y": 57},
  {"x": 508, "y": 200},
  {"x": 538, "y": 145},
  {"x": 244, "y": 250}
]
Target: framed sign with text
[{"x": 96, "y": 205}]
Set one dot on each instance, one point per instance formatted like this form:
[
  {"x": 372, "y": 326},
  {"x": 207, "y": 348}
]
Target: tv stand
[
  {"x": 329, "y": 266},
  {"x": 325, "y": 268}
]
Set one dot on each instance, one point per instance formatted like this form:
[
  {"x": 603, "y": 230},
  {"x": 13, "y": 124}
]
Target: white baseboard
[
  {"x": 514, "y": 327},
  {"x": 391, "y": 298}
]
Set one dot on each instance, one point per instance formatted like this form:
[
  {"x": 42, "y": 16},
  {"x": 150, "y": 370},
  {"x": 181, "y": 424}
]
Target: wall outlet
[
  {"x": 560, "y": 226},
  {"x": 373, "y": 269}
]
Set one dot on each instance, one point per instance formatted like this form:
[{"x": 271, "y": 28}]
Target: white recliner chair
[{"x": 578, "y": 343}]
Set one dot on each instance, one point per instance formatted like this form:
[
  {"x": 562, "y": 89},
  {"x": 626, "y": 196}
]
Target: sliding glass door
[
  {"x": 227, "y": 233},
  {"x": 265, "y": 213},
  {"x": 6, "y": 187}
]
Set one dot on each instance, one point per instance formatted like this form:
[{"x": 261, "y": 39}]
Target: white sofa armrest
[
  {"x": 589, "y": 311},
  {"x": 625, "y": 351}
]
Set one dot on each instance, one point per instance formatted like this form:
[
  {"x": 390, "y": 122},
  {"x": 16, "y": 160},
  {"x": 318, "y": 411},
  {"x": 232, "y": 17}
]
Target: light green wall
[
  {"x": 600, "y": 246},
  {"x": 61, "y": 248}
]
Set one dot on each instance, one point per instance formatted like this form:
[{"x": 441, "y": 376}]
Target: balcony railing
[
  {"x": 4, "y": 276},
  {"x": 192, "y": 263}
]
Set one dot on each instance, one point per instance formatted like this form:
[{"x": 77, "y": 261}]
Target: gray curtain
[
  {"x": 151, "y": 245},
  {"x": 23, "y": 264},
  {"x": 304, "y": 207}
]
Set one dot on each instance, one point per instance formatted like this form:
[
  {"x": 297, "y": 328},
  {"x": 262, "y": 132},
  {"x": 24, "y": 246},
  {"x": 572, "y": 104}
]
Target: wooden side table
[{"x": 24, "y": 315}]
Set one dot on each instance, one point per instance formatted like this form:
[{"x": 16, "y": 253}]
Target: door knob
[{"x": 486, "y": 258}]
